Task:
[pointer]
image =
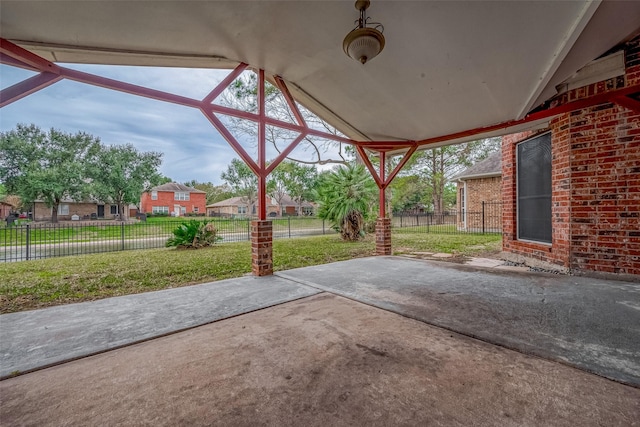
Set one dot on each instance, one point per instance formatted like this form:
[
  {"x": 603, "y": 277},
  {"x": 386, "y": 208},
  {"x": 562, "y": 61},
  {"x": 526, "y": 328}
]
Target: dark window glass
[{"x": 534, "y": 189}]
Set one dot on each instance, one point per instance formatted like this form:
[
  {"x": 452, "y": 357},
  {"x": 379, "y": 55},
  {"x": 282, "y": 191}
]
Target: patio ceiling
[{"x": 447, "y": 67}]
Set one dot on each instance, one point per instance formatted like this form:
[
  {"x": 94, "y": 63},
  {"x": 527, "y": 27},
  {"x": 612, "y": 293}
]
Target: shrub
[
  {"x": 194, "y": 234},
  {"x": 346, "y": 195}
]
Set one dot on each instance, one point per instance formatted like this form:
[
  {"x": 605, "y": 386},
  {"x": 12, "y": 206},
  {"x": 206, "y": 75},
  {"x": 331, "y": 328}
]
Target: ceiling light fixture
[{"x": 364, "y": 43}]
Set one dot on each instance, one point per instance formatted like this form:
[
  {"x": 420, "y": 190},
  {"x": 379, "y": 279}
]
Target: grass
[
  {"x": 154, "y": 227},
  {"x": 41, "y": 283}
]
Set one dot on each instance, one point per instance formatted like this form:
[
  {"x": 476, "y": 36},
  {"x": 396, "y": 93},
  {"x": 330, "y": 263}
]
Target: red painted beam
[
  {"x": 26, "y": 57},
  {"x": 400, "y": 165},
  {"x": 129, "y": 88},
  {"x": 222, "y": 129},
  {"x": 369, "y": 165},
  {"x": 284, "y": 153},
  {"x": 628, "y": 103},
  {"x": 224, "y": 83},
  {"x": 27, "y": 87},
  {"x": 602, "y": 98},
  {"x": 7, "y": 60},
  {"x": 290, "y": 101}
]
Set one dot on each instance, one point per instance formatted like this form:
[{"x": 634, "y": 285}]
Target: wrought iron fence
[
  {"x": 44, "y": 240},
  {"x": 487, "y": 220}
]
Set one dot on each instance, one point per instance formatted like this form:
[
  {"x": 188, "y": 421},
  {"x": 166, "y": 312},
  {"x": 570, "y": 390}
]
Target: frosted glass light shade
[{"x": 363, "y": 44}]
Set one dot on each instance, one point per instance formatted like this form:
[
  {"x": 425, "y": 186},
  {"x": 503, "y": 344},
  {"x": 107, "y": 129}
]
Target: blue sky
[{"x": 192, "y": 148}]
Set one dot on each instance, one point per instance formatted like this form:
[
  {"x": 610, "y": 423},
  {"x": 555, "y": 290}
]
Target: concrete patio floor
[{"x": 349, "y": 343}]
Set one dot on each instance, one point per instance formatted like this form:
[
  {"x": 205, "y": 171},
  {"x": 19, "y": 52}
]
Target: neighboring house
[
  {"x": 479, "y": 195},
  {"x": 290, "y": 207},
  {"x": 85, "y": 210},
  {"x": 173, "y": 199},
  {"x": 5, "y": 208},
  {"x": 571, "y": 191},
  {"x": 239, "y": 207}
]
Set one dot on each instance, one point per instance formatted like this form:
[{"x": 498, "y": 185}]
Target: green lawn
[{"x": 41, "y": 283}]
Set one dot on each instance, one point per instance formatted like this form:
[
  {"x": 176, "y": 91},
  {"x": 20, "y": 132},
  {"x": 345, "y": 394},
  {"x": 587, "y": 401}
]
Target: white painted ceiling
[{"x": 448, "y": 66}]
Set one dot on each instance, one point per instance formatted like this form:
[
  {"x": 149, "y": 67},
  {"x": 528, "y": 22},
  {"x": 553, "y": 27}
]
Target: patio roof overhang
[{"x": 450, "y": 71}]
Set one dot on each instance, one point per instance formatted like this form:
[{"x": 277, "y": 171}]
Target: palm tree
[{"x": 346, "y": 196}]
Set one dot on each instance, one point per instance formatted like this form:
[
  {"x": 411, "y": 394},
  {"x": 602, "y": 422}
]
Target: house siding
[
  {"x": 167, "y": 198},
  {"x": 84, "y": 210},
  {"x": 595, "y": 184}
]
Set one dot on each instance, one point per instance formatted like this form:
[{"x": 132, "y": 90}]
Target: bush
[
  {"x": 157, "y": 214},
  {"x": 346, "y": 195},
  {"x": 194, "y": 234}
]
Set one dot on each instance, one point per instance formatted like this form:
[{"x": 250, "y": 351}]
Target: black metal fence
[
  {"x": 487, "y": 220},
  {"x": 35, "y": 240},
  {"x": 44, "y": 240}
]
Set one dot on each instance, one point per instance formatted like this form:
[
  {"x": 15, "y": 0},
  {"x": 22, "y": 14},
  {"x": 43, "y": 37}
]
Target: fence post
[
  {"x": 248, "y": 229},
  {"x": 289, "y": 218},
  {"x": 323, "y": 226},
  {"x": 28, "y": 236},
  {"x": 483, "y": 217},
  {"x": 122, "y": 233}
]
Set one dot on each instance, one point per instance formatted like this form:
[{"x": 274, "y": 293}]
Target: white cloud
[{"x": 192, "y": 147}]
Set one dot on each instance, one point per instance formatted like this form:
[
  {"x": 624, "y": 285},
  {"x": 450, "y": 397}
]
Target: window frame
[
  {"x": 181, "y": 196},
  {"x": 159, "y": 209},
  {"x": 154, "y": 195},
  {"x": 528, "y": 239}
]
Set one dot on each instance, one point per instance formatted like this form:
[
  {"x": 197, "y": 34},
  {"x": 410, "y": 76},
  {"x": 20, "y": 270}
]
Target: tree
[
  {"x": 243, "y": 96},
  {"x": 3, "y": 192},
  {"x": 435, "y": 167},
  {"x": 48, "y": 166},
  {"x": 408, "y": 193},
  {"x": 242, "y": 181},
  {"x": 120, "y": 174},
  {"x": 347, "y": 196},
  {"x": 293, "y": 179},
  {"x": 215, "y": 193}
]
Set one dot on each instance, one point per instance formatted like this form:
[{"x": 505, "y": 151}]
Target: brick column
[
  {"x": 261, "y": 248},
  {"x": 383, "y": 236}
]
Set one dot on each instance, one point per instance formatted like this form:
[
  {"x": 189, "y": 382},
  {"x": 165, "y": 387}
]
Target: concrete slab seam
[
  {"x": 450, "y": 329},
  {"x": 165, "y": 334}
]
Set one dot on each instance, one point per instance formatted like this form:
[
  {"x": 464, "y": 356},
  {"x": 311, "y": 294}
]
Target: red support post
[
  {"x": 262, "y": 148},
  {"x": 382, "y": 188}
]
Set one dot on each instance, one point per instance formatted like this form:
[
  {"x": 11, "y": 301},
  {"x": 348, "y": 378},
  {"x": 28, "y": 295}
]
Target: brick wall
[
  {"x": 167, "y": 198},
  {"x": 595, "y": 184},
  {"x": 480, "y": 190}
]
